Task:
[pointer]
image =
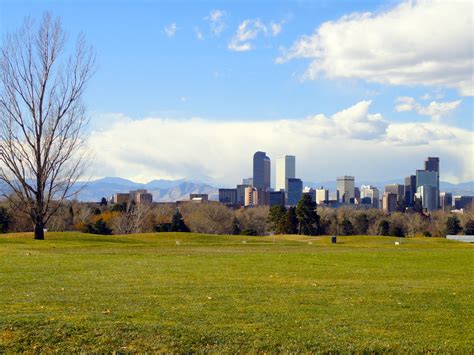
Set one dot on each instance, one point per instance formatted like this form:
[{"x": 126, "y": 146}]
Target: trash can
[{"x": 333, "y": 239}]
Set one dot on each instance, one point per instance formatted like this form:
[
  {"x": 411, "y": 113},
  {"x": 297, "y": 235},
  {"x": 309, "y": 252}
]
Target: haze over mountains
[{"x": 173, "y": 190}]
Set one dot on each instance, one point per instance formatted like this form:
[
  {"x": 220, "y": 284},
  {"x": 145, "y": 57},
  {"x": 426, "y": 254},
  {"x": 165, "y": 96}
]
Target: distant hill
[{"x": 162, "y": 190}]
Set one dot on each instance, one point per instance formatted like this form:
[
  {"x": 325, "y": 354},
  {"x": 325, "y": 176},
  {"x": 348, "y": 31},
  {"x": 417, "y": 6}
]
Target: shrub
[
  {"x": 99, "y": 227},
  {"x": 469, "y": 227},
  {"x": 453, "y": 225},
  {"x": 5, "y": 220},
  {"x": 427, "y": 234}
]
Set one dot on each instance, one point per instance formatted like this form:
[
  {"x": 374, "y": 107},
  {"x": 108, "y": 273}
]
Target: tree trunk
[{"x": 39, "y": 231}]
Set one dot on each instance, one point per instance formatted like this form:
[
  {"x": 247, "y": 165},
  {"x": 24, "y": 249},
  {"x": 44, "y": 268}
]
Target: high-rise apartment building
[
  {"x": 293, "y": 191},
  {"x": 261, "y": 171},
  {"x": 285, "y": 169},
  {"x": 249, "y": 201},
  {"x": 345, "y": 189}
]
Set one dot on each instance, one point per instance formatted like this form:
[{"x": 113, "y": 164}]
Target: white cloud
[
  {"x": 216, "y": 21},
  {"x": 436, "y": 110},
  {"x": 351, "y": 141},
  {"x": 248, "y": 30},
  {"x": 170, "y": 30},
  {"x": 415, "y": 43},
  {"x": 199, "y": 34},
  {"x": 276, "y": 28}
]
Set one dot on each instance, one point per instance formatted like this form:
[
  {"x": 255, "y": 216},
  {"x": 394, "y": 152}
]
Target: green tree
[
  {"x": 277, "y": 218},
  {"x": 469, "y": 227},
  {"x": 361, "y": 224},
  {"x": 177, "y": 223},
  {"x": 99, "y": 227},
  {"x": 307, "y": 216},
  {"x": 291, "y": 222},
  {"x": 453, "y": 226},
  {"x": 5, "y": 220}
]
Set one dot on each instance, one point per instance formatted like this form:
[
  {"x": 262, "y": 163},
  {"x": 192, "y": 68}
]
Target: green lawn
[{"x": 145, "y": 292}]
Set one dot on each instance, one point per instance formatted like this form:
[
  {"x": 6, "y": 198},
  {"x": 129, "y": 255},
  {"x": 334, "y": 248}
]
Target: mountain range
[{"x": 175, "y": 190}]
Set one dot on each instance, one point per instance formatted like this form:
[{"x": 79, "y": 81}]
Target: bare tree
[{"x": 42, "y": 117}]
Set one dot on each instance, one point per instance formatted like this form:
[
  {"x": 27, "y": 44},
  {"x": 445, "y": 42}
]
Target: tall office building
[
  {"x": 446, "y": 201},
  {"x": 261, "y": 171},
  {"x": 389, "y": 202},
  {"x": 410, "y": 190},
  {"x": 371, "y": 192},
  {"x": 241, "y": 193},
  {"x": 276, "y": 198},
  {"x": 396, "y": 189},
  {"x": 322, "y": 195},
  {"x": 429, "y": 197},
  {"x": 425, "y": 178},
  {"x": 432, "y": 164},
  {"x": 293, "y": 191},
  {"x": 345, "y": 189},
  {"x": 285, "y": 169}
]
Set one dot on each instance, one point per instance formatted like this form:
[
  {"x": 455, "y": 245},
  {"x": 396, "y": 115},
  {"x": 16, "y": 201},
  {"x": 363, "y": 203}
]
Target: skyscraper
[
  {"x": 285, "y": 169},
  {"x": 446, "y": 200},
  {"x": 396, "y": 189},
  {"x": 261, "y": 171},
  {"x": 389, "y": 202},
  {"x": 371, "y": 192},
  {"x": 345, "y": 189},
  {"x": 430, "y": 197},
  {"x": 432, "y": 164},
  {"x": 293, "y": 191},
  {"x": 322, "y": 195},
  {"x": 410, "y": 190}
]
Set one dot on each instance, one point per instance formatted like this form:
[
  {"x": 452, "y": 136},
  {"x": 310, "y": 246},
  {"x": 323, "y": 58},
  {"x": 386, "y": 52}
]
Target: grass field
[{"x": 147, "y": 292}]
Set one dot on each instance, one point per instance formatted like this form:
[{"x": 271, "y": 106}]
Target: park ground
[{"x": 188, "y": 292}]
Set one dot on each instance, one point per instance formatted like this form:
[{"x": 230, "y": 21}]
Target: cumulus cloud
[
  {"x": 216, "y": 21},
  {"x": 170, "y": 30},
  {"x": 436, "y": 110},
  {"x": 248, "y": 30},
  {"x": 351, "y": 141},
  {"x": 415, "y": 43}
]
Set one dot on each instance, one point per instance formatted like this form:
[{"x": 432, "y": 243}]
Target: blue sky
[{"x": 173, "y": 61}]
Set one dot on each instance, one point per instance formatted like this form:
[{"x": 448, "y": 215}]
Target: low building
[
  {"x": 446, "y": 201},
  {"x": 202, "y": 197},
  {"x": 120, "y": 198},
  {"x": 228, "y": 196},
  {"x": 311, "y": 192},
  {"x": 463, "y": 202},
  {"x": 276, "y": 198}
]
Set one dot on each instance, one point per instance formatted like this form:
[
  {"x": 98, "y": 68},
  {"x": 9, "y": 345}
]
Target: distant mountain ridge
[
  {"x": 175, "y": 190},
  {"x": 162, "y": 190}
]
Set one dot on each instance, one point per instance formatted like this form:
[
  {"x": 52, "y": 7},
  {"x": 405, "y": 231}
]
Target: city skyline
[{"x": 265, "y": 83}]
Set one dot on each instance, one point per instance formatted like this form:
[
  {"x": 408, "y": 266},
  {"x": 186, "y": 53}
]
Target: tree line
[{"x": 213, "y": 218}]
